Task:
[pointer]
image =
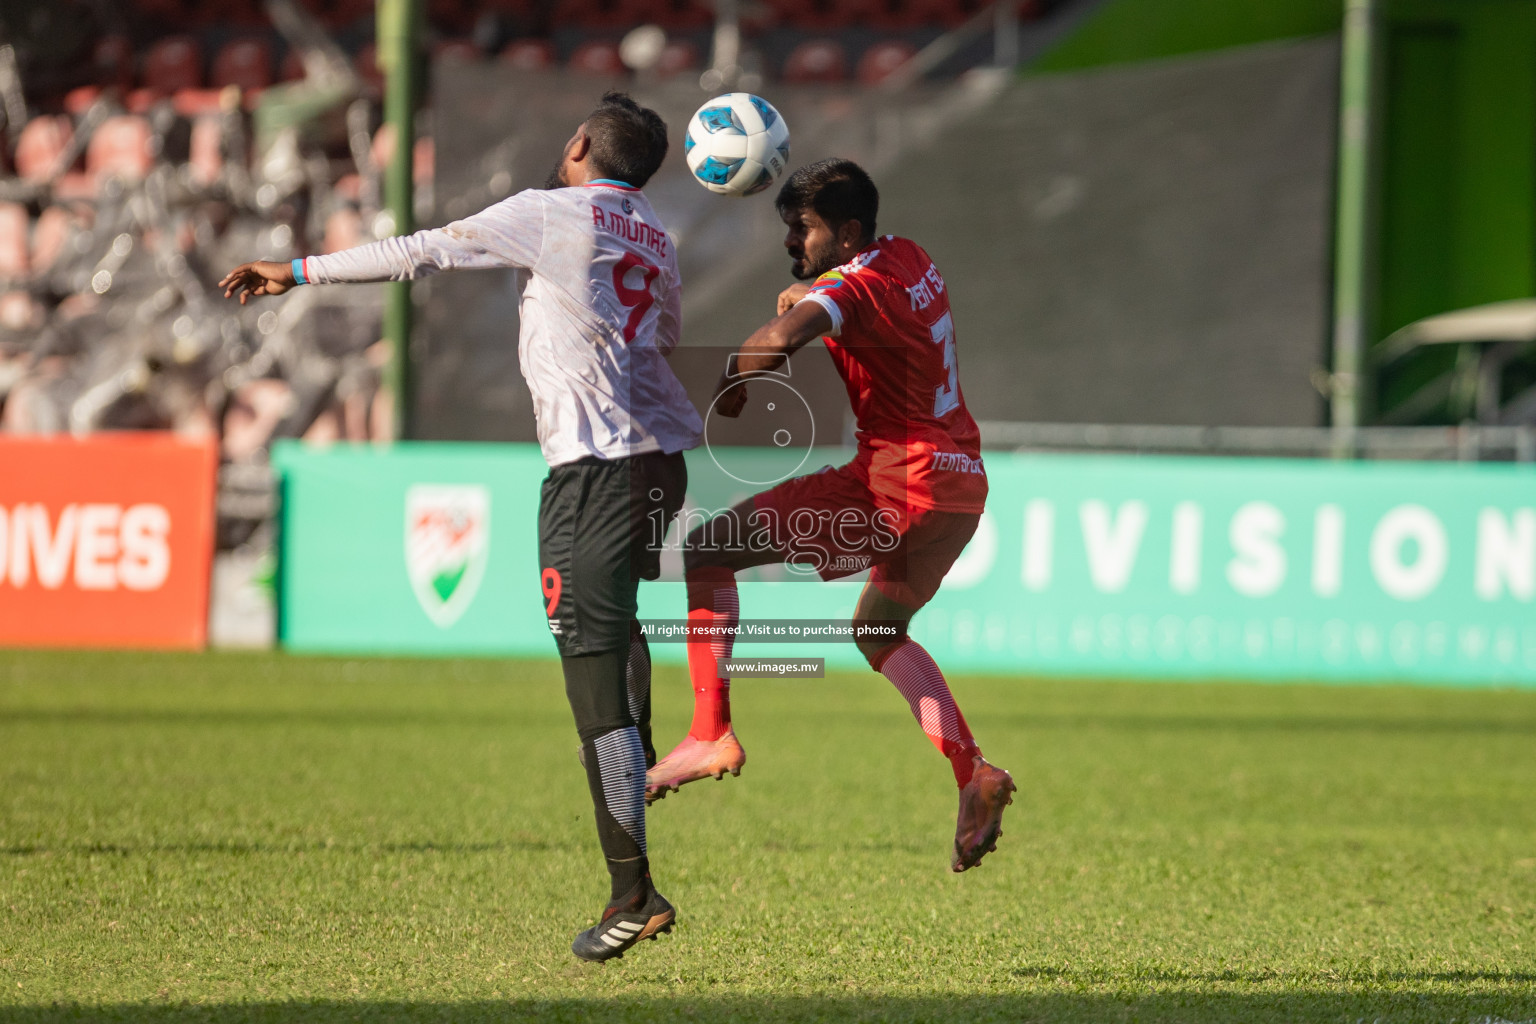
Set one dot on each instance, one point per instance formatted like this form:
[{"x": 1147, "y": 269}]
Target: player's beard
[
  {"x": 556, "y": 177},
  {"x": 813, "y": 262}
]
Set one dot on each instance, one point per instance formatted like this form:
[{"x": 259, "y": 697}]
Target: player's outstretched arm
[
  {"x": 769, "y": 348},
  {"x": 262, "y": 277}
]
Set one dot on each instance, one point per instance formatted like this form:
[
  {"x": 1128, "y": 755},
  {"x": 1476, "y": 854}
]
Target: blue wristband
[{"x": 298, "y": 271}]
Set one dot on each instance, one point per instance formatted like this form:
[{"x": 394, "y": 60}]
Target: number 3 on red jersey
[
  {"x": 946, "y": 397},
  {"x": 636, "y": 300}
]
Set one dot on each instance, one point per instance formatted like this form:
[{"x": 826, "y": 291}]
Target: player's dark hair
[
  {"x": 838, "y": 190},
  {"x": 629, "y": 141}
]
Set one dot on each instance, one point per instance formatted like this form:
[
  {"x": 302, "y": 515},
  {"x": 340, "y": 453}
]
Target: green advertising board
[{"x": 1176, "y": 568}]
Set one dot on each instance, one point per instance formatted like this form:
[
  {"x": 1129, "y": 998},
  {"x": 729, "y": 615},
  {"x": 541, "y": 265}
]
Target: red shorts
[{"x": 831, "y": 523}]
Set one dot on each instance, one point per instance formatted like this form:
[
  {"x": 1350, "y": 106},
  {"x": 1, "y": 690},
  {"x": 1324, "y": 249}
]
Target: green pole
[
  {"x": 397, "y": 25},
  {"x": 1356, "y": 117}
]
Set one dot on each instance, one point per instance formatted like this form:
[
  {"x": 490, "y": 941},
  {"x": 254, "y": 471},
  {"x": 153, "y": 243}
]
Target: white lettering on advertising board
[{"x": 93, "y": 546}]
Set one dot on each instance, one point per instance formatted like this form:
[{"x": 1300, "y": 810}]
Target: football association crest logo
[{"x": 447, "y": 543}]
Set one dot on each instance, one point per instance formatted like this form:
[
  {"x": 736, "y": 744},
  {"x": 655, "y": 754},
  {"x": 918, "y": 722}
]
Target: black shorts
[{"x": 601, "y": 526}]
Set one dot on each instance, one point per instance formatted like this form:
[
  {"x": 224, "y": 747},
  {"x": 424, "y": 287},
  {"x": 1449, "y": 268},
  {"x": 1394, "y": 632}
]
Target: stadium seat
[
  {"x": 343, "y": 230},
  {"x": 291, "y": 67},
  {"x": 684, "y": 15},
  {"x": 139, "y": 101},
  {"x": 196, "y": 102},
  {"x": 205, "y": 157},
  {"x": 529, "y": 55},
  {"x": 243, "y": 13},
  {"x": 246, "y": 63},
  {"x": 42, "y": 142},
  {"x": 943, "y": 13},
  {"x": 597, "y": 58},
  {"x": 825, "y": 15},
  {"x": 50, "y": 234},
  {"x": 119, "y": 148},
  {"x": 424, "y": 159},
  {"x": 423, "y": 155},
  {"x": 15, "y": 247},
  {"x": 678, "y": 57},
  {"x": 606, "y": 15},
  {"x": 19, "y": 312},
  {"x": 348, "y": 188},
  {"x": 461, "y": 50},
  {"x": 367, "y": 65},
  {"x": 167, "y": 12},
  {"x": 112, "y": 62},
  {"x": 175, "y": 62},
  {"x": 346, "y": 13},
  {"x": 881, "y": 59},
  {"x": 78, "y": 100},
  {"x": 816, "y": 60}
]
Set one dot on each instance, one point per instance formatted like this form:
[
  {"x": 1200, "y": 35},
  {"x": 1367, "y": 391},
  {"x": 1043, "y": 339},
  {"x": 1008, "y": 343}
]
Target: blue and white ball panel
[
  {"x": 723, "y": 147},
  {"x": 720, "y": 119},
  {"x": 717, "y": 172},
  {"x": 754, "y": 177},
  {"x": 764, "y": 109}
]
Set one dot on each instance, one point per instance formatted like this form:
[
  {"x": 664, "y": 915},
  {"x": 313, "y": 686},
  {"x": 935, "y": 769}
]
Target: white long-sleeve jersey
[{"x": 600, "y": 306}]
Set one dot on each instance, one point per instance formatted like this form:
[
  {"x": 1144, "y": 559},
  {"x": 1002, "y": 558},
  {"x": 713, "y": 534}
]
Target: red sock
[
  {"x": 917, "y": 677},
  {"x": 712, "y": 602}
]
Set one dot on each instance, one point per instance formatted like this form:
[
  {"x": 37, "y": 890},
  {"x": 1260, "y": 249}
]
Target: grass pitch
[{"x": 231, "y": 838}]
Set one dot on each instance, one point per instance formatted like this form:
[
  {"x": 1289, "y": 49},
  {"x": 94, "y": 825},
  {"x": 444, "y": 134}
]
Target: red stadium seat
[
  {"x": 529, "y": 55},
  {"x": 607, "y": 15},
  {"x": 112, "y": 62},
  {"x": 944, "y": 13},
  {"x": 139, "y": 101},
  {"x": 205, "y": 159},
  {"x": 346, "y": 13},
  {"x": 343, "y": 230},
  {"x": 40, "y": 146},
  {"x": 816, "y": 60},
  {"x": 244, "y": 13},
  {"x": 78, "y": 100},
  {"x": 292, "y": 67},
  {"x": 54, "y": 227},
  {"x": 678, "y": 57},
  {"x": 881, "y": 59},
  {"x": 797, "y": 13},
  {"x": 461, "y": 50},
  {"x": 597, "y": 58},
  {"x": 453, "y": 16},
  {"x": 348, "y": 188},
  {"x": 367, "y": 64},
  {"x": 423, "y": 154},
  {"x": 119, "y": 148},
  {"x": 169, "y": 12},
  {"x": 197, "y": 102},
  {"x": 684, "y": 15},
  {"x": 175, "y": 62},
  {"x": 423, "y": 160},
  {"x": 15, "y": 243},
  {"x": 825, "y": 15},
  {"x": 246, "y": 63}
]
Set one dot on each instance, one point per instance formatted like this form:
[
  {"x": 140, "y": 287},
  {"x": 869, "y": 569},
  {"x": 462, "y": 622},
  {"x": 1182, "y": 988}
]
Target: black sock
[{"x": 615, "y": 760}]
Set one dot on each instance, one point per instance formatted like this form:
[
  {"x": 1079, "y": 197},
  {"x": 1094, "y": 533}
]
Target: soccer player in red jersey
[{"x": 905, "y": 507}]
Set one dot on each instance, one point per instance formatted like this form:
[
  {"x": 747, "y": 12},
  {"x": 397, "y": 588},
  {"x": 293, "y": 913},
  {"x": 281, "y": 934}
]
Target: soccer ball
[{"x": 736, "y": 144}]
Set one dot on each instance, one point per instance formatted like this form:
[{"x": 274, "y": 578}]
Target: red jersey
[{"x": 893, "y": 342}]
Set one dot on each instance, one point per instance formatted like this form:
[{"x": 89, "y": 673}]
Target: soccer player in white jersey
[{"x": 600, "y": 310}]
